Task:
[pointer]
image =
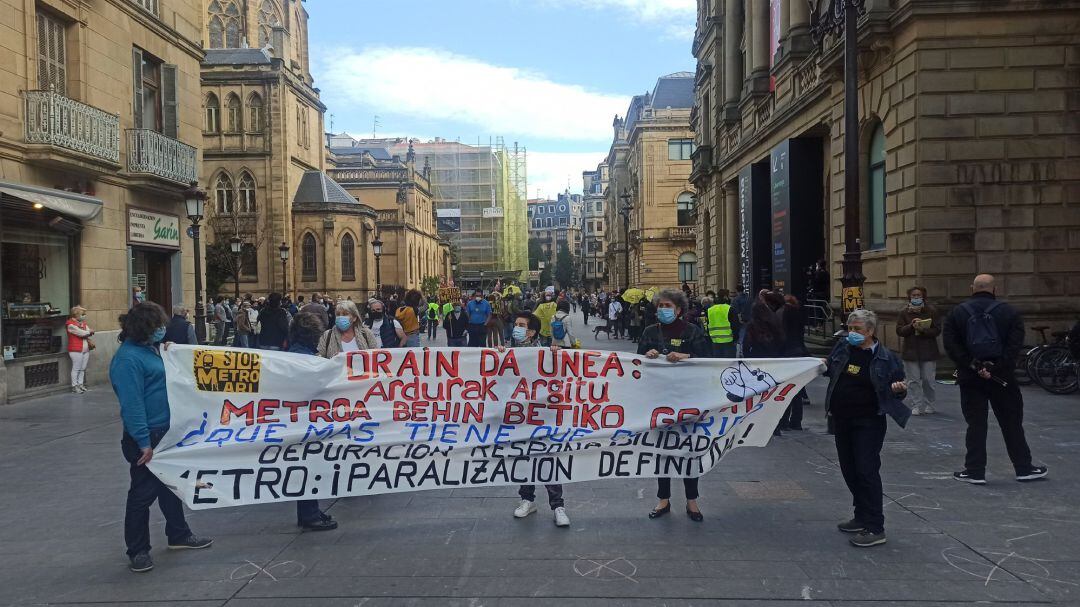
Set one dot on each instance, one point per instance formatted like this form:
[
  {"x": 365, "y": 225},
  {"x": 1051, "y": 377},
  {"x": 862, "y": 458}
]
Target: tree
[
  {"x": 222, "y": 224},
  {"x": 536, "y": 254},
  {"x": 430, "y": 286},
  {"x": 564, "y": 267}
]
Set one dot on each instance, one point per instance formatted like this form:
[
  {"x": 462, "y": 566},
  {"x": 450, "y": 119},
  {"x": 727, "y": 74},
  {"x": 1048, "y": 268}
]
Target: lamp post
[
  {"x": 841, "y": 17},
  {"x": 195, "y": 201},
  {"x": 624, "y": 210},
  {"x": 235, "y": 244},
  {"x": 376, "y": 246},
  {"x": 481, "y": 281},
  {"x": 283, "y": 252},
  {"x": 453, "y": 272}
]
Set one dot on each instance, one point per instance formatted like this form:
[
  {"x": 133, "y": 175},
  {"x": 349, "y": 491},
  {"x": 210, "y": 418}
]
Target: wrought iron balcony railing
[
  {"x": 151, "y": 153},
  {"x": 681, "y": 233},
  {"x": 54, "y": 119}
]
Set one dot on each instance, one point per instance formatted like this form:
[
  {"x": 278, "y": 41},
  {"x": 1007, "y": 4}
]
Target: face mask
[
  {"x": 159, "y": 334},
  {"x": 343, "y": 322},
  {"x": 855, "y": 339},
  {"x": 665, "y": 315},
  {"x": 478, "y": 299},
  {"x": 520, "y": 333},
  {"x": 457, "y": 309},
  {"x": 140, "y": 297},
  {"x": 82, "y": 318},
  {"x": 917, "y": 302}
]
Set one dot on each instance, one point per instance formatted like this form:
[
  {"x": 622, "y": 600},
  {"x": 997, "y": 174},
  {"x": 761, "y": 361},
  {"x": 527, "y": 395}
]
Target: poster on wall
[
  {"x": 780, "y": 194},
  {"x": 448, "y": 220}
]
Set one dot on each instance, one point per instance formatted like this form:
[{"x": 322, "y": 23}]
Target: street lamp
[
  {"x": 283, "y": 252},
  {"x": 481, "y": 281},
  {"x": 195, "y": 201},
  {"x": 624, "y": 210},
  {"x": 376, "y": 246},
  {"x": 842, "y": 17},
  {"x": 235, "y": 244}
]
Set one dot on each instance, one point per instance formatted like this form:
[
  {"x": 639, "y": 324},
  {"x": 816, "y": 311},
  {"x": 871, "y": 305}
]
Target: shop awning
[{"x": 79, "y": 206}]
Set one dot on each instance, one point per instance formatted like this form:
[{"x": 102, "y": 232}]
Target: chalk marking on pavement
[
  {"x": 256, "y": 570},
  {"x": 1041, "y": 573},
  {"x": 1023, "y": 537},
  {"x": 596, "y": 571},
  {"x": 806, "y": 594},
  {"x": 997, "y": 566},
  {"x": 641, "y": 494},
  {"x": 450, "y": 536}
]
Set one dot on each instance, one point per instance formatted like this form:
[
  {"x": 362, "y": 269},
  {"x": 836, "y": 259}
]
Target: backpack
[
  {"x": 558, "y": 329},
  {"x": 982, "y": 338}
]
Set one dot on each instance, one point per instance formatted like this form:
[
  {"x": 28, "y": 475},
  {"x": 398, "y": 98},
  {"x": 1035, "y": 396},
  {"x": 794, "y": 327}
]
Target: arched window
[
  {"x": 247, "y": 193},
  {"x": 232, "y": 107},
  {"x": 223, "y": 17},
  {"x": 249, "y": 262},
  {"x": 685, "y": 206},
  {"x": 298, "y": 37},
  {"x": 348, "y": 258},
  {"x": 223, "y": 195},
  {"x": 875, "y": 216},
  {"x": 213, "y": 115},
  {"x": 687, "y": 267},
  {"x": 268, "y": 18},
  {"x": 309, "y": 265},
  {"x": 255, "y": 113}
]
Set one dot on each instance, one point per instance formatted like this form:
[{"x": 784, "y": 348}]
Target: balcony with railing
[
  {"x": 702, "y": 161},
  {"x": 55, "y": 120},
  {"x": 151, "y": 153},
  {"x": 682, "y": 233}
]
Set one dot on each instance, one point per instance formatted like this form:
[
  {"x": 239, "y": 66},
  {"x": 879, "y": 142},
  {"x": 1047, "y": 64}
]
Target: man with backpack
[{"x": 983, "y": 336}]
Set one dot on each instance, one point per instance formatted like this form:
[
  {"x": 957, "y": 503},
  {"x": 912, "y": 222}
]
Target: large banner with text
[{"x": 252, "y": 426}]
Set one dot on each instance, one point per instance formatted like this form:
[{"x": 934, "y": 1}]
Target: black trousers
[
  {"x": 432, "y": 328},
  {"x": 555, "y": 500},
  {"x": 145, "y": 489},
  {"x": 793, "y": 415},
  {"x": 477, "y": 335},
  {"x": 307, "y": 511},
  {"x": 976, "y": 397},
  {"x": 724, "y": 350},
  {"x": 858, "y": 447},
  {"x": 663, "y": 488}
]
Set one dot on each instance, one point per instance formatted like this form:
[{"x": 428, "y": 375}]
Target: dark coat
[
  {"x": 694, "y": 341},
  {"x": 885, "y": 369},
  {"x": 919, "y": 345},
  {"x": 1010, "y": 329}
]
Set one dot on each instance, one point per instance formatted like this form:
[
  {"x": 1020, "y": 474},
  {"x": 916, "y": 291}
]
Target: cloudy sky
[{"x": 549, "y": 74}]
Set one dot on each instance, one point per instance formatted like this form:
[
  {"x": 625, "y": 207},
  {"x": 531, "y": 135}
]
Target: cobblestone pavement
[{"x": 768, "y": 537}]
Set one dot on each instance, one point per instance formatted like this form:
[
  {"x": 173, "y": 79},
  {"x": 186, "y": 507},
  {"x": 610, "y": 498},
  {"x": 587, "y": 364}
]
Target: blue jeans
[
  {"x": 242, "y": 340},
  {"x": 145, "y": 489},
  {"x": 412, "y": 341}
]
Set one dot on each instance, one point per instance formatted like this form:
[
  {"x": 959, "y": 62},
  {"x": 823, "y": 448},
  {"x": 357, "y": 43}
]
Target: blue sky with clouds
[{"x": 550, "y": 74}]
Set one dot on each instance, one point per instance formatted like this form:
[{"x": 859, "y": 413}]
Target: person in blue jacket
[
  {"x": 479, "y": 311},
  {"x": 137, "y": 374},
  {"x": 866, "y": 383}
]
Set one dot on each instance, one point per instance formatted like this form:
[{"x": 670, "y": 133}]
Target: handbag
[{"x": 90, "y": 344}]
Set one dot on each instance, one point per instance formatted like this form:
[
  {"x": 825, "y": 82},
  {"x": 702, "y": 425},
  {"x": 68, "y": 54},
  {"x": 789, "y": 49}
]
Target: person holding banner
[
  {"x": 137, "y": 374},
  {"x": 386, "y": 329},
  {"x": 866, "y": 383},
  {"x": 456, "y": 324},
  {"x": 304, "y": 334},
  {"x": 348, "y": 333},
  {"x": 676, "y": 340},
  {"x": 526, "y": 334}
]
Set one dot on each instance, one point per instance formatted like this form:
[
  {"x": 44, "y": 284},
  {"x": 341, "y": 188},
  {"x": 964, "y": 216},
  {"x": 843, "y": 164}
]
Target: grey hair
[
  {"x": 179, "y": 310},
  {"x": 375, "y": 300},
  {"x": 706, "y": 302},
  {"x": 868, "y": 318},
  {"x": 349, "y": 308},
  {"x": 675, "y": 296}
]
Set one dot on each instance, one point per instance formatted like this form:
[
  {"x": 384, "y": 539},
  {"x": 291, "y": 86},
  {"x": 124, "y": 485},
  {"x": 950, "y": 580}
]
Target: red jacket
[{"x": 75, "y": 342}]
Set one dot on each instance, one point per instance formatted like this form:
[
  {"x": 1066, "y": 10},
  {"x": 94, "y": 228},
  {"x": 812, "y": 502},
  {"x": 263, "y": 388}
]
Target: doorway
[{"x": 152, "y": 270}]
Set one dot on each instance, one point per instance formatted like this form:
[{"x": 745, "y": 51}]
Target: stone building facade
[
  {"x": 651, "y": 155},
  {"x": 968, "y": 158},
  {"x": 262, "y": 125},
  {"x": 99, "y": 137},
  {"x": 401, "y": 197},
  {"x": 593, "y": 237}
]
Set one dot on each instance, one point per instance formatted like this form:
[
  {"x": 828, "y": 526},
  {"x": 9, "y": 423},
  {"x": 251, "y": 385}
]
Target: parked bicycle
[{"x": 1055, "y": 367}]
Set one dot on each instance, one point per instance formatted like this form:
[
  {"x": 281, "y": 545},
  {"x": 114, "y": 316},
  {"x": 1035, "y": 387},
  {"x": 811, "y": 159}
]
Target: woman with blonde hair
[
  {"x": 348, "y": 334},
  {"x": 79, "y": 346}
]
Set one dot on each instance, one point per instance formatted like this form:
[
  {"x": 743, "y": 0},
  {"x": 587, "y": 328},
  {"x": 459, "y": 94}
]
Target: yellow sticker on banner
[
  {"x": 675, "y": 343},
  {"x": 227, "y": 371}
]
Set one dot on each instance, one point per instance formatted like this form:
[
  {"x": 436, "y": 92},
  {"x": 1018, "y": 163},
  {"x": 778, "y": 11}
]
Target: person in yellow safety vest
[{"x": 721, "y": 321}]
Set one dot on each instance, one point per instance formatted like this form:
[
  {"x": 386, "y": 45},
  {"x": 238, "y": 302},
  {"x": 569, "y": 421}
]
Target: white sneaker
[
  {"x": 916, "y": 411},
  {"x": 928, "y": 410},
  {"x": 561, "y": 520},
  {"x": 525, "y": 508}
]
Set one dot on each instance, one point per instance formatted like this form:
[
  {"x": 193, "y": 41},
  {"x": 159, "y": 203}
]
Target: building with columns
[
  {"x": 968, "y": 157},
  {"x": 99, "y": 138},
  {"x": 650, "y": 156}
]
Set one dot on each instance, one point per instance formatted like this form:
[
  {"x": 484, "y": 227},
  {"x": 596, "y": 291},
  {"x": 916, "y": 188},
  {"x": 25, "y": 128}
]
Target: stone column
[
  {"x": 798, "y": 41},
  {"x": 733, "y": 67},
  {"x": 785, "y": 25},
  {"x": 760, "y": 46}
]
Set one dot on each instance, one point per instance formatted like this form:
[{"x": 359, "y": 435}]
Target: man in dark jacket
[{"x": 988, "y": 379}]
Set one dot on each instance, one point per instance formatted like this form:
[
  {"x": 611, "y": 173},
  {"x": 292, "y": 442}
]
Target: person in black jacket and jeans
[{"x": 988, "y": 381}]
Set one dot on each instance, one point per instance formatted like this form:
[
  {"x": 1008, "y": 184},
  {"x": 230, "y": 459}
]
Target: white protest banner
[{"x": 252, "y": 426}]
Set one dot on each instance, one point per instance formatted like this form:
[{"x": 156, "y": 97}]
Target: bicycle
[
  {"x": 1056, "y": 367},
  {"x": 1027, "y": 354}
]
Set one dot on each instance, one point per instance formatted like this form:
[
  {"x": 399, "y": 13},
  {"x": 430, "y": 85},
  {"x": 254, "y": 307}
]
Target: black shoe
[
  {"x": 1033, "y": 473},
  {"x": 658, "y": 512},
  {"x": 141, "y": 563},
  {"x": 797, "y": 427},
  {"x": 852, "y": 526},
  {"x": 191, "y": 542},
  {"x": 783, "y": 428},
  {"x": 777, "y": 432},
  {"x": 975, "y": 478},
  {"x": 320, "y": 524},
  {"x": 866, "y": 539},
  {"x": 694, "y": 516}
]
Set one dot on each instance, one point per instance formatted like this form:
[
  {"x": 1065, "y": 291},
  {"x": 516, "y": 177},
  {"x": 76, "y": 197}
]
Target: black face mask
[{"x": 375, "y": 315}]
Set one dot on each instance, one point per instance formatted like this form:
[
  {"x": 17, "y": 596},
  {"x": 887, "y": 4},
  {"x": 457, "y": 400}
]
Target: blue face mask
[
  {"x": 917, "y": 302},
  {"x": 665, "y": 315},
  {"x": 520, "y": 333},
  {"x": 343, "y": 322},
  {"x": 855, "y": 339},
  {"x": 159, "y": 334}
]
